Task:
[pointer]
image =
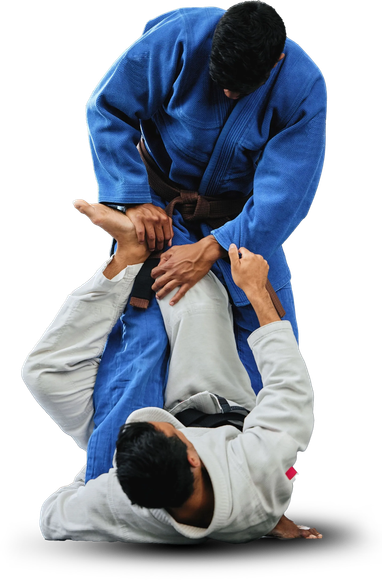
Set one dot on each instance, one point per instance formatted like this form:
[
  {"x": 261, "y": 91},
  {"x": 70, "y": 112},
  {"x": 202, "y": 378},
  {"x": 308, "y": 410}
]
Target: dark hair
[
  {"x": 152, "y": 468},
  {"x": 247, "y": 43}
]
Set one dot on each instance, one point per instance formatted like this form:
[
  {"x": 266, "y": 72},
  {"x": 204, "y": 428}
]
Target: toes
[
  {"x": 95, "y": 212},
  {"x": 83, "y": 206},
  {"x": 309, "y": 533}
]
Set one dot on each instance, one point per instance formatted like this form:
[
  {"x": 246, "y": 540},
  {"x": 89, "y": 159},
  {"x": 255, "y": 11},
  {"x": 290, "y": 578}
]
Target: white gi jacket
[{"x": 248, "y": 470}]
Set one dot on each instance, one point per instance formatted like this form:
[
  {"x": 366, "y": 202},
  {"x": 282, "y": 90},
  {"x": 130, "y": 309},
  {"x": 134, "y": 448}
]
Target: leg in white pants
[{"x": 203, "y": 348}]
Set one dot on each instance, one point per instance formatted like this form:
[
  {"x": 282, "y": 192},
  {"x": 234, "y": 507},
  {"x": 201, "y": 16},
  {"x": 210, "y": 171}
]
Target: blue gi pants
[{"x": 133, "y": 370}]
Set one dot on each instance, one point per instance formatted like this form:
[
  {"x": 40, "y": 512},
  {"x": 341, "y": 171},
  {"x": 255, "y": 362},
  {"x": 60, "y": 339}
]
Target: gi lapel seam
[{"x": 226, "y": 142}]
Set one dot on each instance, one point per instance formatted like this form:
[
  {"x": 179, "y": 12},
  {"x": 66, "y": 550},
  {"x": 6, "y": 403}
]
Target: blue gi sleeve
[
  {"x": 285, "y": 180},
  {"x": 134, "y": 88}
]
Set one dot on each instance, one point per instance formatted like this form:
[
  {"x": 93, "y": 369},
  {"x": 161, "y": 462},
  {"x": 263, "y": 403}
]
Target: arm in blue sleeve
[
  {"x": 134, "y": 89},
  {"x": 285, "y": 181}
]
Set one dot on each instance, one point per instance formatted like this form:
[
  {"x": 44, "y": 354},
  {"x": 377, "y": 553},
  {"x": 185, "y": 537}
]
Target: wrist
[
  {"x": 212, "y": 250},
  {"x": 263, "y": 306},
  {"x": 118, "y": 206}
]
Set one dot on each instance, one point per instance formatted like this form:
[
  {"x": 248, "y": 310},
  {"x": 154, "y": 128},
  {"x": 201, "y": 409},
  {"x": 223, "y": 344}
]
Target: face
[
  {"x": 236, "y": 94},
  {"x": 231, "y": 94}
]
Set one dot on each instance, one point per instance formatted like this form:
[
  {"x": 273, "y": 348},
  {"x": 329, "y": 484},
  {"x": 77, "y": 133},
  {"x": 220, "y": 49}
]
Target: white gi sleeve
[
  {"x": 61, "y": 370},
  {"x": 281, "y": 423}
]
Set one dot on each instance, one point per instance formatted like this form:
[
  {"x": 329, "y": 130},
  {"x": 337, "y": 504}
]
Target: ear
[
  {"x": 281, "y": 57},
  {"x": 193, "y": 458}
]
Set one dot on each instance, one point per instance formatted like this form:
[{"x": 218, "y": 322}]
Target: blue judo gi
[{"x": 270, "y": 142}]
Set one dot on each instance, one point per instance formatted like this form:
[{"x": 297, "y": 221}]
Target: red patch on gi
[{"x": 291, "y": 473}]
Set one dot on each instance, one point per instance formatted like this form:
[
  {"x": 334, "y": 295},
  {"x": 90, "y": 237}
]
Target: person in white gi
[{"x": 241, "y": 480}]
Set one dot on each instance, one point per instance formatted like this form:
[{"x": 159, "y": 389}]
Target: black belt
[
  {"x": 194, "y": 418},
  {"x": 229, "y": 415}
]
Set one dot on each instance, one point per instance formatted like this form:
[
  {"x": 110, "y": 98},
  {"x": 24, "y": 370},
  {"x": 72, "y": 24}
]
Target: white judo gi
[{"x": 249, "y": 471}]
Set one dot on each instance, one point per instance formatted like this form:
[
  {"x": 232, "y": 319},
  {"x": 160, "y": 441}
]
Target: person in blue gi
[{"x": 228, "y": 107}]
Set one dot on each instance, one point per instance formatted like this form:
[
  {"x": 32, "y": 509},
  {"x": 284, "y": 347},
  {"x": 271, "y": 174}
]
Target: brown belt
[
  {"x": 214, "y": 211},
  {"x": 194, "y": 207}
]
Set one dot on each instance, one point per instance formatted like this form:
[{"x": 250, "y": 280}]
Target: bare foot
[
  {"x": 116, "y": 224},
  {"x": 288, "y": 530},
  {"x": 121, "y": 228}
]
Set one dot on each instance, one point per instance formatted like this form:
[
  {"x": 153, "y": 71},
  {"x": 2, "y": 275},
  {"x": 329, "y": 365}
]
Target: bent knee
[{"x": 205, "y": 294}]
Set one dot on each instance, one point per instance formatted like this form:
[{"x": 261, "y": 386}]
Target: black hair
[
  {"x": 247, "y": 43},
  {"x": 153, "y": 469}
]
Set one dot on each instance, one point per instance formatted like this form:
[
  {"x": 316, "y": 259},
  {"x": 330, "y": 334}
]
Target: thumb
[{"x": 233, "y": 253}]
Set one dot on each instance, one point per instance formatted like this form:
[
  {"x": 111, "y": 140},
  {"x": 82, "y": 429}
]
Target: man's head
[
  {"x": 247, "y": 44},
  {"x": 155, "y": 464}
]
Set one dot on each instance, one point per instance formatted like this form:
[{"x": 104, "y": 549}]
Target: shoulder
[
  {"x": 193, "y": 25},
  {"x": 203, "y": 17},
  {"x": 298, "y": 62},
  {"x": 297, "y": 87},
  {"x": 181, "y": 32}
]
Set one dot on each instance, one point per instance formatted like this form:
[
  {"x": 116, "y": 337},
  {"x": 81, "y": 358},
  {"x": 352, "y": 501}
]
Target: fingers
[
  {"x": 158, "y": 232},
  {"x": 160, "y": 269},
  {"x": 139, "y": 227},
  {"x": 164, "y": 281},
  {"x": 236, "y": 254},
  {"x": 168, "y": 231},
  {"x": 152, "y": 225},
  {"x": 169, "y": 287},
  {"x": 165, "y": 285},
  {"x": 233, "y": 253},
  {"x": 147, "y": 232},
  {"x": 181, "y": 292},
  {"x": 151, "y": 236}
]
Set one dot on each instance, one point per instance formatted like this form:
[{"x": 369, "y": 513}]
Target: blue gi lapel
[{"x": 236, "y": 123}]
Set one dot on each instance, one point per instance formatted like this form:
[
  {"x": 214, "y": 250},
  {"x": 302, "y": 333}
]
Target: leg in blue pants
[{"x": 132, "y": 375}]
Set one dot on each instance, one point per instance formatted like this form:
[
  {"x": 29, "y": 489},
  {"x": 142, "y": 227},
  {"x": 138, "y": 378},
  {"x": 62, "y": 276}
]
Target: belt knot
[{"x": 194, "y": 206}]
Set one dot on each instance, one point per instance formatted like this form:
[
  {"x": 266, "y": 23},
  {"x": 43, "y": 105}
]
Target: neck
[{"x": 199, "y": 508}]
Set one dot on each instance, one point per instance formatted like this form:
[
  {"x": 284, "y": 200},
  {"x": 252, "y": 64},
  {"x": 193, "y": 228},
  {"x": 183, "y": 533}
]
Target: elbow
[
  {"x": 29, "y": 372},
  {"x": 46, "y": 532},
  {"x": 89, "y": 107},
  {"x": 34, "y": 376},
  {"x": 48, "y": 529}
]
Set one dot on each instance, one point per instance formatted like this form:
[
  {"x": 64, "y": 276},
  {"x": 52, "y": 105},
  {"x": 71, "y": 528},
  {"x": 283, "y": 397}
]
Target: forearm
[
  {"x": 211, "y": 250},
  {"x": 263, "y": 306},
  {"x": 127, "y": 255},
  {"x": 285, "y": 403}
]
